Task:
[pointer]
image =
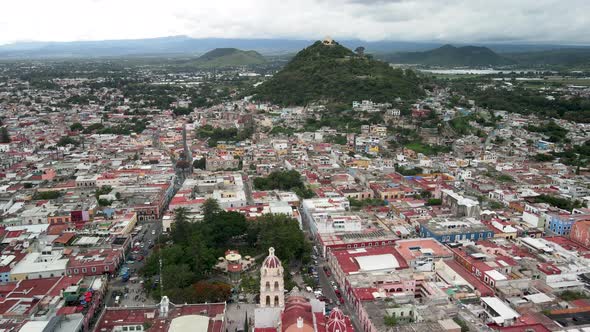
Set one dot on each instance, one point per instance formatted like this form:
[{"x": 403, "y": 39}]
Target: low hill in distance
[
  {"x": 563, "y": 57},
  {"x": 333, "y": 73},
  {"x": 451, "y": 56},
  {"x": 229, "y": 57}
]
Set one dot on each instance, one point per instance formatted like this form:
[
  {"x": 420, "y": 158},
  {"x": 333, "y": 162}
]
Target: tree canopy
[
  {"x": 189, "y": 259},
  {"x": 284, "y": 180},
  {"x": 4, "y": 136}
]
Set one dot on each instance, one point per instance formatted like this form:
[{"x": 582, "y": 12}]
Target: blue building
[
  {"x": 544, "y": 145},
  {"x": 454, "y": 230},
  {"x": 560, "y": 224}
]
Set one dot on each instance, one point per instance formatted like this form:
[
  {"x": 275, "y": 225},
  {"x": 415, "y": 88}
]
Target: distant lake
[{"x": 472, "y": 71}]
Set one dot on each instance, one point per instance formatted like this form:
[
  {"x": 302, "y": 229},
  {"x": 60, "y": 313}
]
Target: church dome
[
  {"x": 272, "y": 261},
  {"x": 336, "y": 314},
  {"x": 336, "y": 322},
  {"x": 336, "y": 326}
]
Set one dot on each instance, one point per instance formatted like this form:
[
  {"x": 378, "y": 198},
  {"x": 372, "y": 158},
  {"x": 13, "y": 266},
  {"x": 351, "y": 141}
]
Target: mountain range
[{"x": 183, "y": 45}]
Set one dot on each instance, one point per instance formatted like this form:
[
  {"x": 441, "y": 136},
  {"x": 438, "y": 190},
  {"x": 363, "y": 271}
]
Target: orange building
[{"x": 581, "y": 232}]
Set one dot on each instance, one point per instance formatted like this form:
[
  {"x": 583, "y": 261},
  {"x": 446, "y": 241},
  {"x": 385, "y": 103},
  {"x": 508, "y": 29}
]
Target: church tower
[{"x": 271, "y": 282}]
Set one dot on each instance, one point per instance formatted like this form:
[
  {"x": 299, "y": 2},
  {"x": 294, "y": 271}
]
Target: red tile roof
[
  {"x": 348, "y": 264},
  {"x": 64, "y": 238},
  {"x": 295, "y": 308},
  {"x": 113, "y": 317},
  {"x": 365, "y": 294}
]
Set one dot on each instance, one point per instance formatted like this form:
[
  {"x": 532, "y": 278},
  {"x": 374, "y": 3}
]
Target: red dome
[
  {"x": 271, "y": 261},
  {"x": 336, "y": 321},
  {"x": 336, "y": 325},
  {"x": 336, "y": 314}
]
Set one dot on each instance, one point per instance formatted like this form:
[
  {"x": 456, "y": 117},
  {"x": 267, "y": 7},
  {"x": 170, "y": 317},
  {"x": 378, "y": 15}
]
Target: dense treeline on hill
[
  {"x": 228, "y": 57},
  {"x": 479, "y": 56},
  {"x": 562, "y": 57},
  {"x": 524, "y": 101},
  {"x": 451, "y": 56},
  {"x": 336, "y": 74}
]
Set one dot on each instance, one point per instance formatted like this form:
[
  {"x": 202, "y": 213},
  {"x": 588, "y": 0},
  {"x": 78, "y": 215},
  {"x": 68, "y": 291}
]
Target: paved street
[
  {"x": 329, "y": 292},
  {"x": 132, "y": 290}
]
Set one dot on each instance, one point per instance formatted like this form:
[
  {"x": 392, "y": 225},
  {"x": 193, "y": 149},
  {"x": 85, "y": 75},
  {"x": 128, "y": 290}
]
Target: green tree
[
  {"x": 179, "y": 275},
  {"x": 44, "y": 195},
  {"x": 542, "y": 157},
  {"x": 104, "y": 202},
  {"x": 77, "y": 126},
  {"x": 4, "y": 136},
  {"x": 434, "y": 201},
  {"x": 200, "y": 163},
  {"x": 462, "y": 324},
  {"x": 246, "y": 325},
  {"x": 281, "y": 180},
  {"x": 104, "y": 190},
  {"x": 389, "y": 320},
  {"x": 226, "y": 225},
  {"x": 66, "y": 140},
  {"x": 282, "y": 233},
  {"x": 210, "y": 209},
  {"x": 180, "y": 232},
  {"x": 562, "y": 203}
]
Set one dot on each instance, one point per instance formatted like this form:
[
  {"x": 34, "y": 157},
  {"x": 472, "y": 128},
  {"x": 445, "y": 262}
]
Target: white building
[
  {"x": 47, "y": 263},
  {"x": 498, "y": 312}
]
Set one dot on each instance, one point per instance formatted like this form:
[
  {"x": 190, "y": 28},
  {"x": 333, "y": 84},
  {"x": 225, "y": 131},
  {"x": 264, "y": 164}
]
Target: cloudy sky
[{"x": 550, "y": 21}]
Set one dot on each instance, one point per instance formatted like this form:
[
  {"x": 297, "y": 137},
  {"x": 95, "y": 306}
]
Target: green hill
[
  {"x": 451, "y": 56},
  {"x": 229, "y": 57},
  {"x": 334, "y": 73},
  {"x": 565, "y": 57}
]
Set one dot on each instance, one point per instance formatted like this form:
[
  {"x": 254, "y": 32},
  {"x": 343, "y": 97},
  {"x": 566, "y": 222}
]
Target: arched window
[
  {"x": 268, "y": 300},
  {"x": 276, "y": 300},
  {"x": 276, "y": 285},
  {"x": 268, "y": 285}
]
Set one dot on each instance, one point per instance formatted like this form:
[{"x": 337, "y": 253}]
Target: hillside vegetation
[
  {"x": 229, "y": 57},
  {"x": 563, "y": 57},
  {"x": 334, "y": 73},
  {"x": 475, "y": 56},
  {"x": 451, "y": 56}
]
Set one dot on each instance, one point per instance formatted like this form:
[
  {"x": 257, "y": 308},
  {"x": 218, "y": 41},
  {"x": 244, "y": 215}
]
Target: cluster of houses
[{"x": 483, "y": 233}]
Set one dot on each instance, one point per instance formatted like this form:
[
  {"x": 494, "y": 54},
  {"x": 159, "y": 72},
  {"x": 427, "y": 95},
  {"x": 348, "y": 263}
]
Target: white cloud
[{"x": 412, "y": 20}]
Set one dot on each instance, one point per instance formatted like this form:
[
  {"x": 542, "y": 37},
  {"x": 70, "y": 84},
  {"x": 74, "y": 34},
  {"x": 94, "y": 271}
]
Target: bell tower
[{"x": 272, "y": 286}]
